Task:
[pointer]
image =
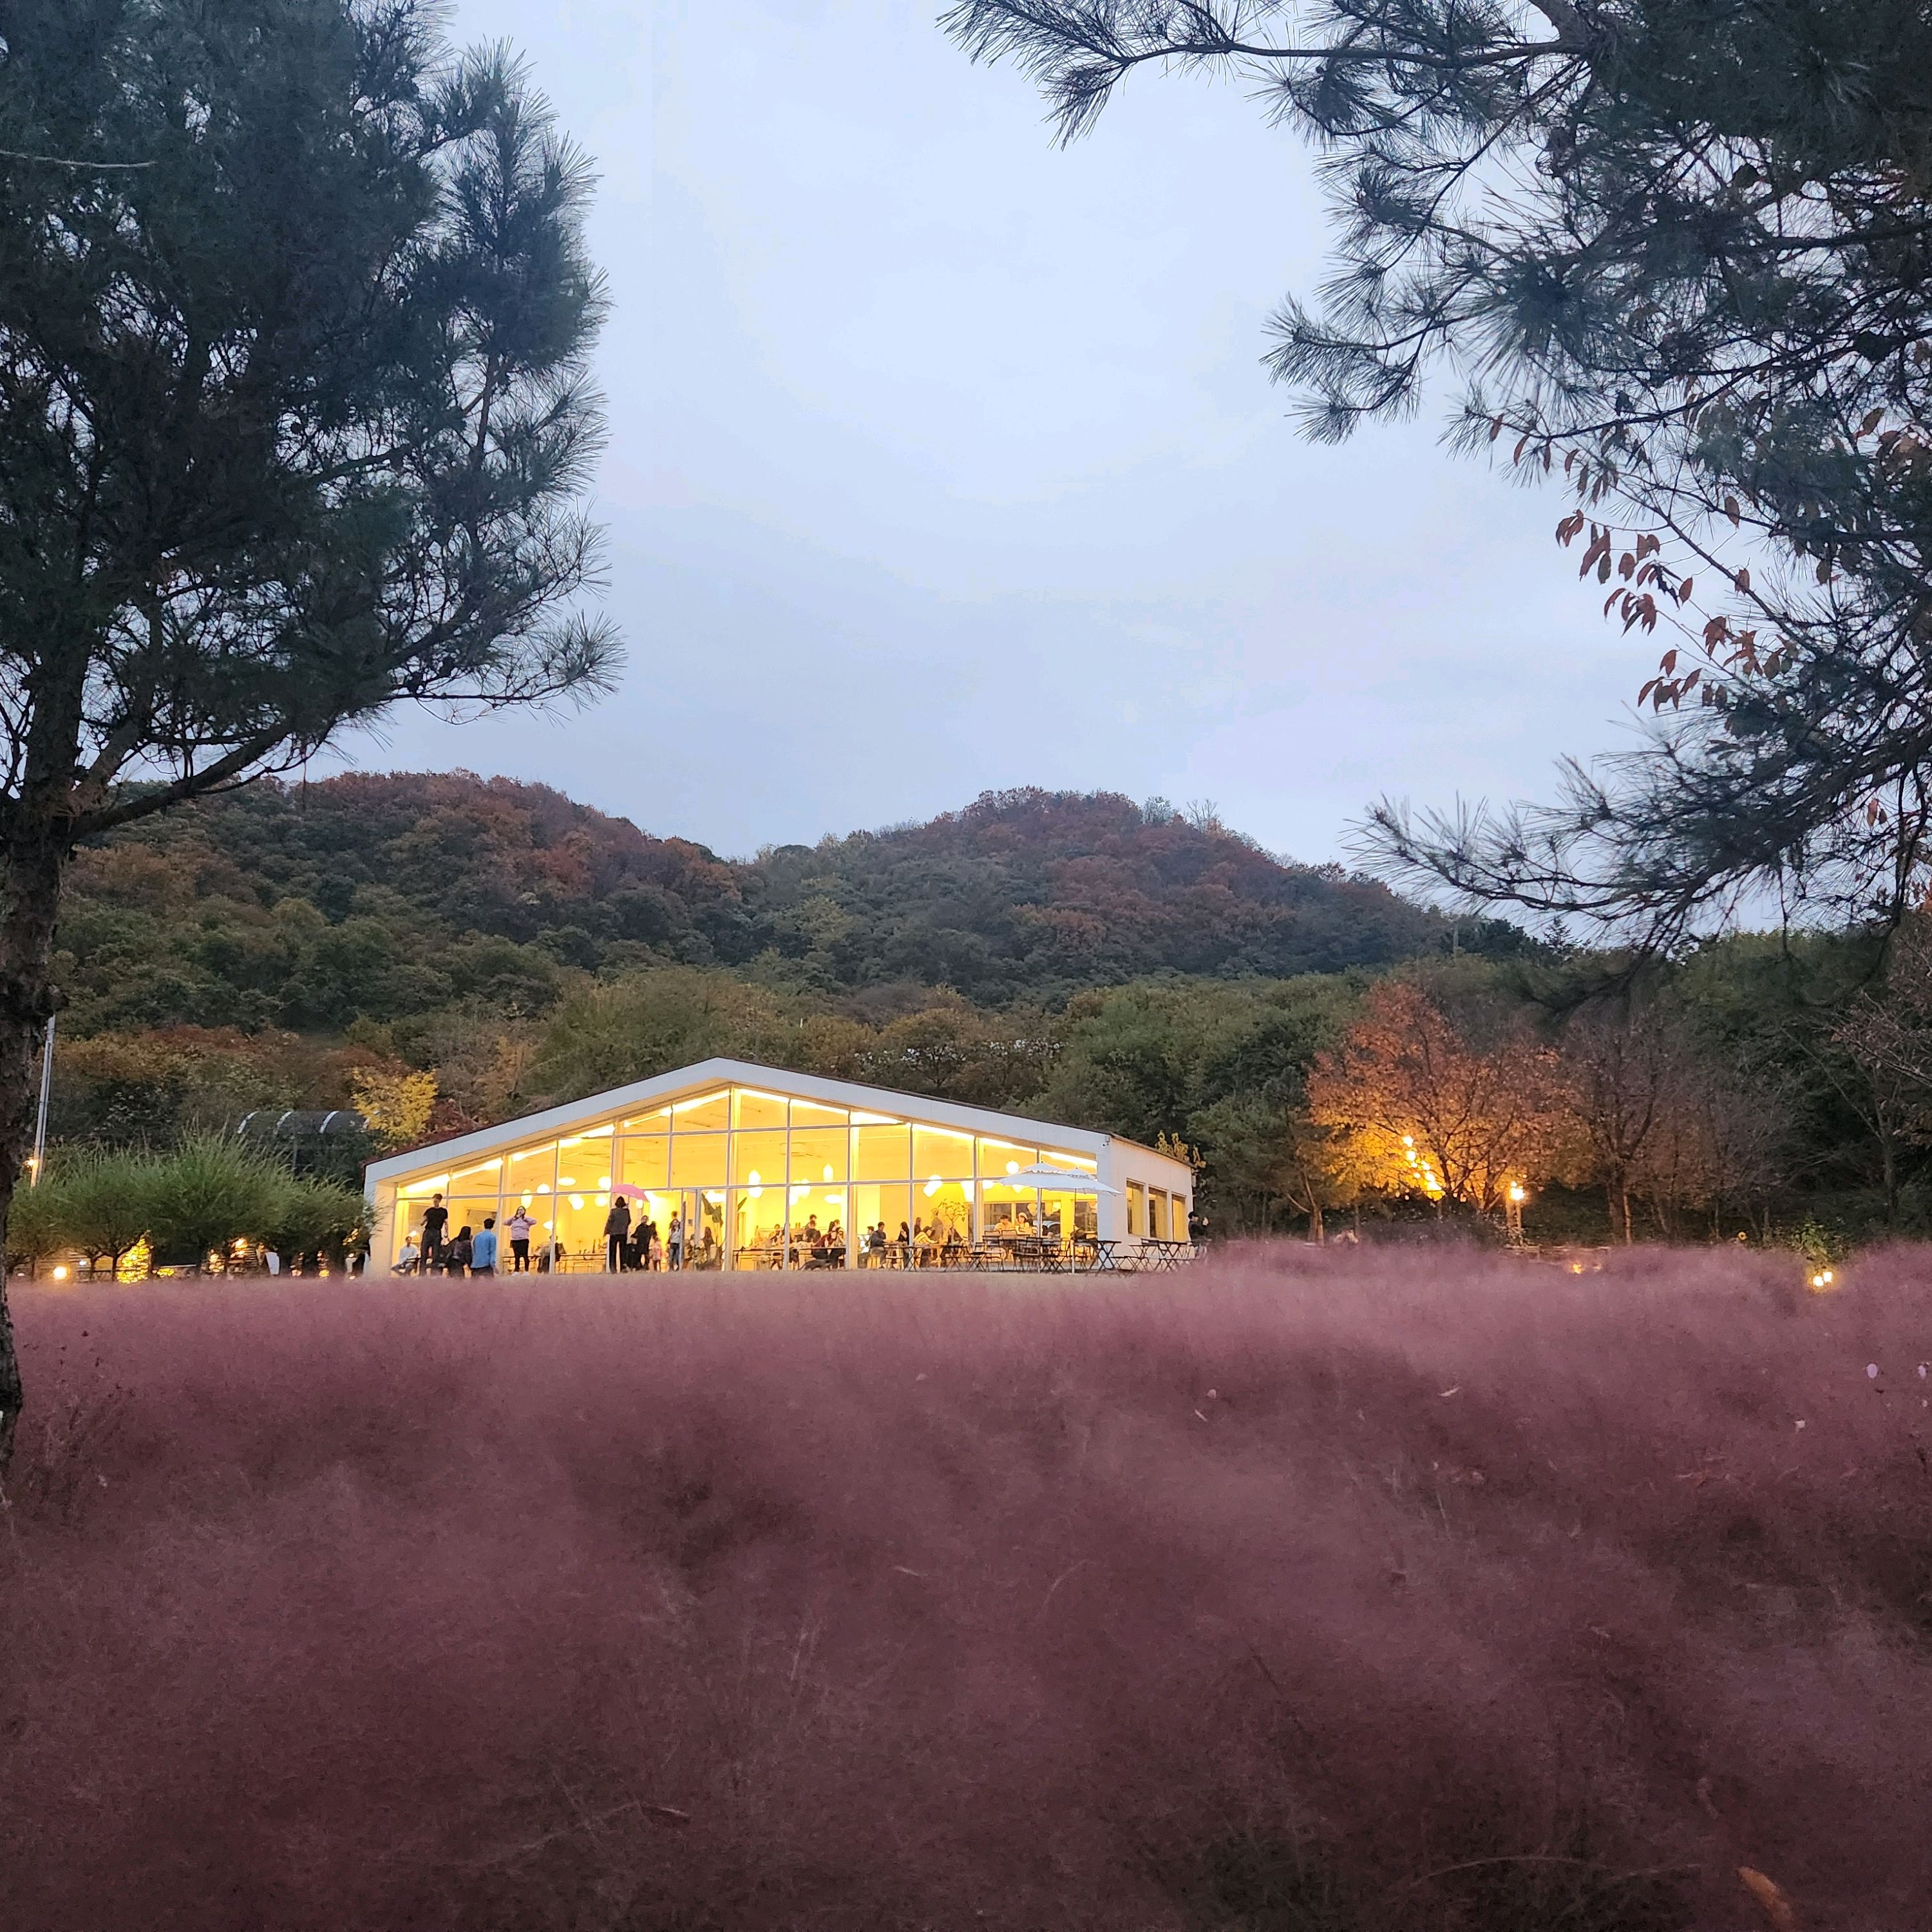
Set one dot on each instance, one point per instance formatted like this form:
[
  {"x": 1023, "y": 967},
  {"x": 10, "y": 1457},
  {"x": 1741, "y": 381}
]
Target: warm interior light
[
  {"x": 603, "y": 1181},
  {"x": 60, "y": 1274},
  {"x": 932, "y": 1187},
  {"x": 828, "y": 1171},
  {"x": 1012, "y": 1167},
  {"x": 576, "y": 1200},
  {"x": 566, "y": 1180}
]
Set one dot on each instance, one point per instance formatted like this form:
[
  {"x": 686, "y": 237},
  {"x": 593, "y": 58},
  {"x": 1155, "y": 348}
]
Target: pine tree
[
  {"x": 294, "y": 417},
  {"x": 1677, "y": 255}
]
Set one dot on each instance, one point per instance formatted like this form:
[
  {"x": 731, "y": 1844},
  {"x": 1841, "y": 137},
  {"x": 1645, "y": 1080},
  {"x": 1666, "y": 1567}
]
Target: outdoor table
[{"x": 1103, "y": 1262}]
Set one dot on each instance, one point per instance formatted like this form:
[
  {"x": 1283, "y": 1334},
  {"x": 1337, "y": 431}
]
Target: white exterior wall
[{"x": 1127, "y": 1162}]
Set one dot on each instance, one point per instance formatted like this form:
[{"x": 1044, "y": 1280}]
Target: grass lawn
[{"x": 1369, "y": 1591}]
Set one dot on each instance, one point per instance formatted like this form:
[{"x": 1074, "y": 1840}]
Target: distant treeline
[{"x": 439, "y": 952}]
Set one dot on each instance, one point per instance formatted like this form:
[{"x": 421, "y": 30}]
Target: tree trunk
[
  {"x": 1315, "y": 1223},
  {"x": 31, "y": 904},
  {"x": 39, "y": 827}
]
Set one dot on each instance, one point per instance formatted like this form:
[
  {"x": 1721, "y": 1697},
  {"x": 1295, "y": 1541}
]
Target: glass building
[{"x": 745, "y": 1167}]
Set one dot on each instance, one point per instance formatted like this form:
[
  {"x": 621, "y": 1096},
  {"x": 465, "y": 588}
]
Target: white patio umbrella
[{"x": 1065, "y": 1179}]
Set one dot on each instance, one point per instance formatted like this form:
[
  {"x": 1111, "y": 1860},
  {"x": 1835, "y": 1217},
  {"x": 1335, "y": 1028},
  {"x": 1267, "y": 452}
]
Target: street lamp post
[
  {"x": 1514, "y": 1195},
  {"x": 47, "y": 1089}
]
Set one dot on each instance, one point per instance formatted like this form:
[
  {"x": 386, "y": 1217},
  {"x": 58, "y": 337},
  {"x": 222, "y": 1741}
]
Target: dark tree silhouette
[
  {"x": 294, "y": 417},
  {"x": 1676, "y": 253}
]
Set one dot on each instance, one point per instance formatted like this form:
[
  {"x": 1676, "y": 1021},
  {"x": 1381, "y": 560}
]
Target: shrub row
[{"x": 190, "y": 1205}]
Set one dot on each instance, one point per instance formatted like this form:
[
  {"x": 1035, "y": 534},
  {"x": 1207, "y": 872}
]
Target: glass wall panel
[
  {"x": 1156, "y": 1220},
  {"x": 1006, "y": 1212},
  {"x": 939, "y": 1155},
  {"x": 529, "y": 1174},
  {"x": 583, "y": 1163},
  {"x": 579, "y": 1227},
  {"x": 659, "y": 1123},
  {"x": 818, "y": 1154},
  {"x": 752, "y": 1107},
  {"x": 810, "y": 1114},
  {"x": 757, "y": 1227},
  {"x": 999, "y": 1158},
  {"x": 890, "y": 1210},
  {"x": 467, "y": 1211},
  {"x": 1068, "y": 1217},
  {"x": 881, "y": 1152},
  {"x": 658, "y": 1206},
  {"x": 758, "y": 1159},
  {"x": 697, "y": 1160},
  {"x": 420, "y": 1190},
  {"x": 1136, "y": 1208},
  {"x": 703, "y": 1111},
  {"x": 1075, "y": 1163},
  {"x": 644, "y": 1160},
  {"x": 818, "y": 1227},
  {"x": 942, "y": 1220},
  {"x": 704, "y": 1238},
  {"x": 479, "y": 1180}
]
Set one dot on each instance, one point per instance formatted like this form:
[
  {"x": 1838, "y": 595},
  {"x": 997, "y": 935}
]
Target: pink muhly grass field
[{"x": 1362, "y": 1592}]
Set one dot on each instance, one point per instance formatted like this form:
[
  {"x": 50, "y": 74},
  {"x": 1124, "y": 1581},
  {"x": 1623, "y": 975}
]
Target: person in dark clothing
[
  {"x": 435, "y": 1225},
  {"x": 616, "y": 1235},
  {"x": 456, "y": 1256}
]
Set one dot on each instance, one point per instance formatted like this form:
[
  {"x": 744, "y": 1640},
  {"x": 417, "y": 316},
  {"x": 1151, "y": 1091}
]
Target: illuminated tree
[{"x": 1415, "y": 1106}]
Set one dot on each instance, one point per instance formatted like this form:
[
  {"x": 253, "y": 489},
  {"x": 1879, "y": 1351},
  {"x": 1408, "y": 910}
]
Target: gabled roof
[{"x": 641, "y": 1095}]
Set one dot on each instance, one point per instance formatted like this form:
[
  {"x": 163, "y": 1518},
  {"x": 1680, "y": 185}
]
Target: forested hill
[{"x": 376, "y": 897}]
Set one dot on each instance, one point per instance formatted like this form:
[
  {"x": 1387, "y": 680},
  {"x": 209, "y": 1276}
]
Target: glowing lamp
[
  {"x": 576, "y": 1200},
  {"x": 60, "y": 1274},
  {"x": 1517, "y": 1192},
  {"x": 1012, "y": 1167},
  {"x": 828, "y": 1170}
]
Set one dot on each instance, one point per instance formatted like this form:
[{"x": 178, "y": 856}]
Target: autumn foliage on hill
[
  {"x": 1363, "y": 1593},
  {"x": 380, "y": 898}
]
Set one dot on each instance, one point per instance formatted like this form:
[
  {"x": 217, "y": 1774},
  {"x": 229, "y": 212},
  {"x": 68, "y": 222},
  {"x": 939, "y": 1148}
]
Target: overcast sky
[{"x": 942, "y": 459}]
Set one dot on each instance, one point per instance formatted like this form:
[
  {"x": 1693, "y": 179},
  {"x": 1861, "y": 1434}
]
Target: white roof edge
[{"x": 710, "y": 1072}]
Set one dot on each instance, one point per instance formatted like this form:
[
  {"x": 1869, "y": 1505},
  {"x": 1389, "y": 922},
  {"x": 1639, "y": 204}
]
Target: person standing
[
  {"x": 519, "y": 1225},
  {"x": 617, "y": 1235},
  {"x": 483, "y": 1249},
  {"x": 674, "y": 1242},
  {"x": 456, "y": 1256},
  {"x": 435, "y": 1222}
]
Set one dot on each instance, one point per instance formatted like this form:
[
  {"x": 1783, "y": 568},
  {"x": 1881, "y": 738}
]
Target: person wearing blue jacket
[{"x": 483, "y": 1248}]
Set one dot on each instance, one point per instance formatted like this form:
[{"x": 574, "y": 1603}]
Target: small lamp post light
[{"x": 1514, "y": 1195}]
